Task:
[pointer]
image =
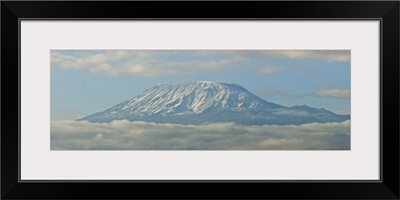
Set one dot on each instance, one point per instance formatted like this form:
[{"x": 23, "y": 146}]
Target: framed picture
[{"x": 223, "y": 97}]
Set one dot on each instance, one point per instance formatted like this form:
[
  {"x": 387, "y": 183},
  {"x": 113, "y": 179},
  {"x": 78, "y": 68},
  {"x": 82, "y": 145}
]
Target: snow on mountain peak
[
  {"x": 196, "y": 102},
  {"x": 192, "y": 97}
]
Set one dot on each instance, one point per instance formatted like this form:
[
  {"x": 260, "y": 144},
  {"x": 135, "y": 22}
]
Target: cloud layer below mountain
[{"x": 125, "y": 135}]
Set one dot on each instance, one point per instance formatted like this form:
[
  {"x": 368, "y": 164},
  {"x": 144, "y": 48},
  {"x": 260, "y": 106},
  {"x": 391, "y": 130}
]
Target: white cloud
[
  {"x": 334, "y": 93},
  {"x": 99, "y": 136},
  {"x": 270, "y": 70},
  {"x": 86, "y": 61},
  {"x": 143, "y": 63},
  {"x": 125, "y": 135},
  {"x": 327, "y": 55},
  {"x": 156, "y": 63}
]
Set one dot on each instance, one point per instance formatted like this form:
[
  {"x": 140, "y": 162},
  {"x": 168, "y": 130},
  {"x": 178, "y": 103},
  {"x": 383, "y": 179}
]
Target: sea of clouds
[{"x": 126, "y": 135}]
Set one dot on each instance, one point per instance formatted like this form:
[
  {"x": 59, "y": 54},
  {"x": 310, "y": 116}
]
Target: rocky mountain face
[{"x": 205, "y": 102}]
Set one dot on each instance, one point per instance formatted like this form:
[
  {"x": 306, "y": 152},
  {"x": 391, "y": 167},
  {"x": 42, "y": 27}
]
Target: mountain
[{"x": 205, "y": 102}]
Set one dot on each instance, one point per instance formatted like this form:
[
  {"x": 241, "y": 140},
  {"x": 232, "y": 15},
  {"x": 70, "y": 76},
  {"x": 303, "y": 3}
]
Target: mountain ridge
[{"x": 203, "y": 102}]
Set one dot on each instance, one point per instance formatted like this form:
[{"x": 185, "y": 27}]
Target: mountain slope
[{"x": 204, "y": 102}]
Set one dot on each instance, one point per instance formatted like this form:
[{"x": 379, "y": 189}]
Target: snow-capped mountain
[{"x": 204, "y": 102}]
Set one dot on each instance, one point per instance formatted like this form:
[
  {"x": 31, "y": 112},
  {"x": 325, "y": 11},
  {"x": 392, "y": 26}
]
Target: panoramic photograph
[{"x": 200, "y": 100}]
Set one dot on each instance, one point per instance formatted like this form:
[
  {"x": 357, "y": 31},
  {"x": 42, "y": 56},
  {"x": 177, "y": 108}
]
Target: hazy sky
[{"x": 84, "y": 81}]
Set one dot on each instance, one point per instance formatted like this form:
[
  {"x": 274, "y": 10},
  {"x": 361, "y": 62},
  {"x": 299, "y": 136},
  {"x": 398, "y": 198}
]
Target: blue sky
[{"x": 85, "y": 81}]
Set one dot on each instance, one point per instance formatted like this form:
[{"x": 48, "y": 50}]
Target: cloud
[
  {"x": 327, "y": 55},
  {"x": 334, "y": 93},
  {"x": 93, "y": 60},
  {"x": 153, "y": 63},
  {"x": 143, "y": 63},
  {"x": 125, "y": 135},
  {"x": 270, "y": 70}
]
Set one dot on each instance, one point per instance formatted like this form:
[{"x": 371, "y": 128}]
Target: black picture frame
[{"x": 385, "y": 11}]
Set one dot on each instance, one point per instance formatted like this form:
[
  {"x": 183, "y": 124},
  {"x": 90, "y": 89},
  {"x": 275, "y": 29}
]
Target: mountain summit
[{"x": 204, "y": 102}]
